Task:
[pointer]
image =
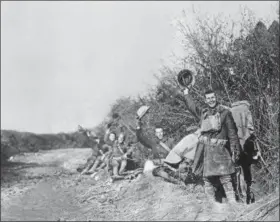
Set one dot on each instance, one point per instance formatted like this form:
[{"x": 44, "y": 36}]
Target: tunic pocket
[{"x": 222, "y": 154}]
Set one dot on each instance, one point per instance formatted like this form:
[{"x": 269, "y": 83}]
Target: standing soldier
[
  {"x": 244, "y": 122},
  {"x": 218, "y": 147}
]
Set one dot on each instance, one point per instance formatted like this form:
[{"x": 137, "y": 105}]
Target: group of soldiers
[
  {"x": 215, "y": 152},
  {"x": 113, "y": 155}
]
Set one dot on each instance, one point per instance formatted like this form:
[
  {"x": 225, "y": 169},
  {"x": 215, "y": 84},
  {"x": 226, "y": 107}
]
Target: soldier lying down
[{"x": 172, "y": 165}]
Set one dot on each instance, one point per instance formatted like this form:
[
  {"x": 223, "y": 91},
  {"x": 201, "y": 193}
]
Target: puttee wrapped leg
[
  {"x": 209, "y": 189},
  {"x": 226, "y": 181}
]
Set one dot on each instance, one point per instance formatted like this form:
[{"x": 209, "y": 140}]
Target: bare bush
[{"x": 243, "y": 68}]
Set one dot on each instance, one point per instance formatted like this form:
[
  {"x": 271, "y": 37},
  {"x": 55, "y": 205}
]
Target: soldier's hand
[
  {"x": 257, "y": 155},
  {"x": 186, "y": 91}
]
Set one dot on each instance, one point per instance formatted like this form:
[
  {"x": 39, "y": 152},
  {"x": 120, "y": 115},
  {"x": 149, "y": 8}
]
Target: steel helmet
[{"x": 185, "y": 78}]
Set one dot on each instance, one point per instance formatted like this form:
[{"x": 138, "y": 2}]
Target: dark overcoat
[{"x": 215, "y": 148}]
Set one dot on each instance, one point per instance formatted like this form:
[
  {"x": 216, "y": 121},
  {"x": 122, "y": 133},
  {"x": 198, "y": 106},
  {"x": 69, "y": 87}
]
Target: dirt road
[{"x": 45, "y": 186}]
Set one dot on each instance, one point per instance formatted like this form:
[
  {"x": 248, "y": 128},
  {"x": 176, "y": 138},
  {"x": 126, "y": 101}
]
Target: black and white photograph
[{"x": 140, "y": 111}]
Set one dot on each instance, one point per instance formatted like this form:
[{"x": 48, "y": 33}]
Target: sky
[{"x": 64, "y": 63}]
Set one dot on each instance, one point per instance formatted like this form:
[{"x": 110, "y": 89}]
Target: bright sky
[{"x": 63, "y": 63}]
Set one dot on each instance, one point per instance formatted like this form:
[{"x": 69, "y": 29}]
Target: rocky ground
[{"x": 45, "y": 186}]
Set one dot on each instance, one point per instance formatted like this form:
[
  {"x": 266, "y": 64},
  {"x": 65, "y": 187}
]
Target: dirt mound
[
  {"x": 45, "y": 188},
  {"x": 150, "y": 198}
]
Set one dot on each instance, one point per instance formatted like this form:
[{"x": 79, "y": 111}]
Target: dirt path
[
  {"x": 41, "y": 186},
  {"x": 45, "y": 186}
]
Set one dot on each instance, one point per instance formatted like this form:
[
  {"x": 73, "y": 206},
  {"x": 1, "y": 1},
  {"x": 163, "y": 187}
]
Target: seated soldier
[
  {"x": 101, "y": 162},
  {"x": 96, "y": 154},
  {"x": 117, "y": 157},
  {"x": 159, "y": 145},
  {"x": 167, "y": 168}
]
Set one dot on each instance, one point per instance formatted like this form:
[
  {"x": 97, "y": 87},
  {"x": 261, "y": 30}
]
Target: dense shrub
[{"x": 239, "y": 63}]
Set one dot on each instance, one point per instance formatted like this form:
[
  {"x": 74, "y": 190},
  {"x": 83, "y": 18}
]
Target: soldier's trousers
[
  {"x": 246, "y": 161},
  {"x": 226, "y": 182}
]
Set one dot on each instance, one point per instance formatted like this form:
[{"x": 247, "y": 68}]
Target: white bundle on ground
[
  {"x": 148, "y": 167},
  {"x": 184, "y": 149}
]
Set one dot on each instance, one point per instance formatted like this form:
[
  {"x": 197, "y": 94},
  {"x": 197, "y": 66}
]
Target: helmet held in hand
[
  {"x": 142, "y": 111},
  {"x": 185, "y": 78}
]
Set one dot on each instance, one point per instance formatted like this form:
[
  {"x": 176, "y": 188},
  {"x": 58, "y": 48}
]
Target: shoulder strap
[
  {"x": 120, "y": 149},
  {"x": 164, "y": 146}
]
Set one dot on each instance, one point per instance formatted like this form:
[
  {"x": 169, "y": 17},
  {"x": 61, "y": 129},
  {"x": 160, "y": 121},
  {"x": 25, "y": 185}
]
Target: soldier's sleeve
[
  {"x": 195, "y": 109},
  {"x": 109, "y": 153},
  {"x": 144, "y": 140},
  {"x": 232, "y": 134},
  {"x": 171, "y": 143},
  {"x": 250, "y": 125}
]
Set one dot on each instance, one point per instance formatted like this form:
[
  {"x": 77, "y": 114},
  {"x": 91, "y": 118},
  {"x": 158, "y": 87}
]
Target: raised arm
[
  {"x": 144, "y": 139},
  {"x": 195, "y": 109}
]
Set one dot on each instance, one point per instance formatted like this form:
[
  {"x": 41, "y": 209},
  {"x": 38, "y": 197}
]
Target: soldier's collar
[{"x": 217, "y": 108}]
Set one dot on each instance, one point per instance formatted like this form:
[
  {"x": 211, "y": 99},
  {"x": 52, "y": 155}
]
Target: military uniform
[
  {"x": 96, "y": 155},
  {"x": 217, "y": 144},
  {"x": 244, "y": 122},
  {"x": 160, "y": 148}
]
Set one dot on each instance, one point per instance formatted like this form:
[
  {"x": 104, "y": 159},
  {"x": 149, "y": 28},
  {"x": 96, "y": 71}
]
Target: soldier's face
[
  {"x": 159, "y": 133},
  {"x": 211, "y": 99}
]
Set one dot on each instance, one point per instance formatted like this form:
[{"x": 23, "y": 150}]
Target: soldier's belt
[{"x": 212, "y": 141}]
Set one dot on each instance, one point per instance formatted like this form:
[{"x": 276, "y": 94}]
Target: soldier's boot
[
  {"x": 250, "y": 197},
  {"x": 166, "y": 174},
  {"x": 226, "y": 181}
]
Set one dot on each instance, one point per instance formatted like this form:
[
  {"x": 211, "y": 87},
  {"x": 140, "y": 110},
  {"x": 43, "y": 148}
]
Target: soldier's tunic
[{"x": 160, "y": 148}]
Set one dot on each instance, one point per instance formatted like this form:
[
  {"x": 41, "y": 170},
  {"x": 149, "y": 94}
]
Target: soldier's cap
[{"x": 142, "y": 111}]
